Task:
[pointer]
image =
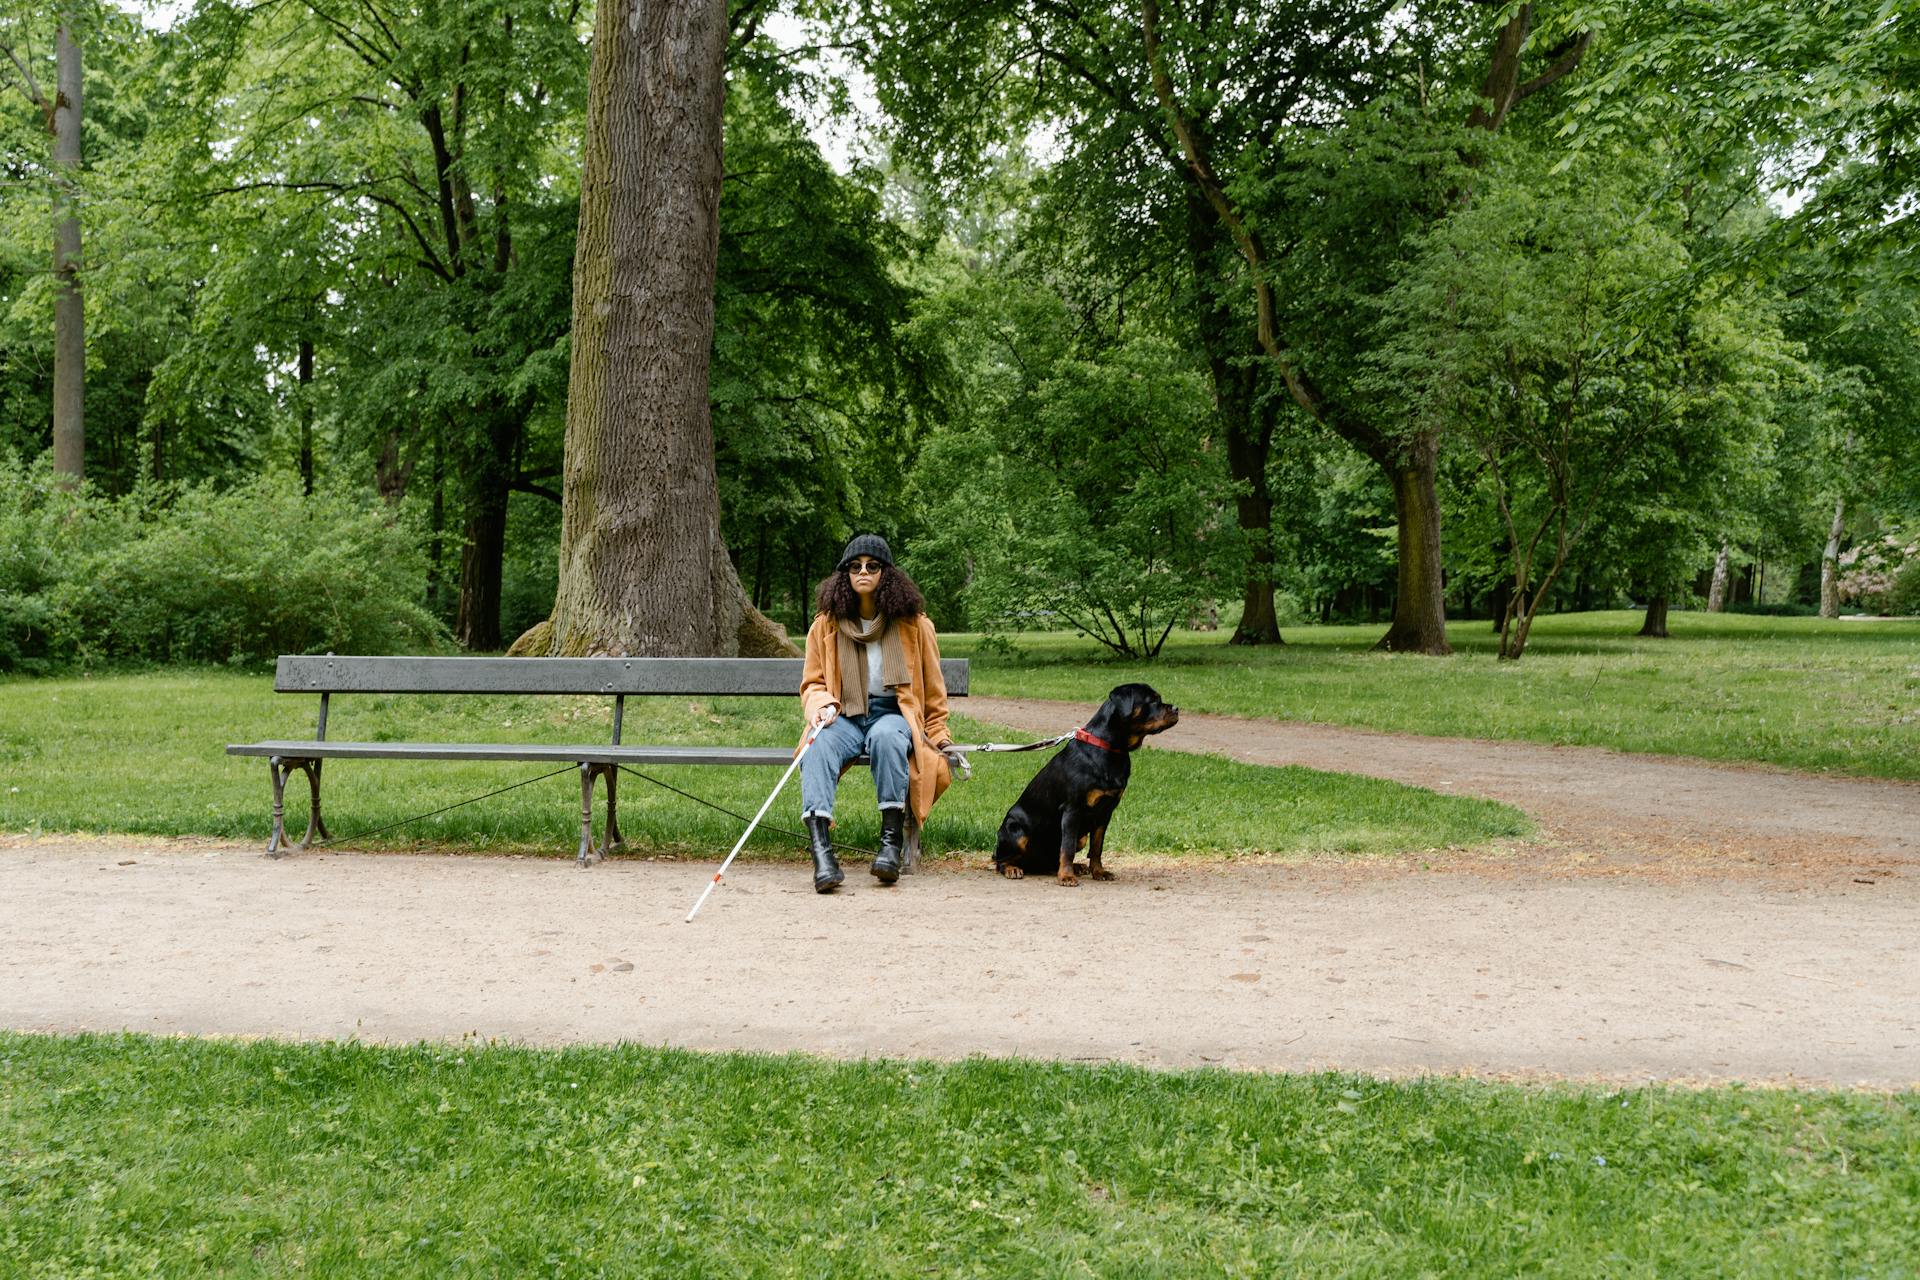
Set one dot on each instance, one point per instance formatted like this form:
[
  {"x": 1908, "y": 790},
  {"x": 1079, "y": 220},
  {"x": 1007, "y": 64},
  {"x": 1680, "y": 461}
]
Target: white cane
[{"x": 798, "y": 756}]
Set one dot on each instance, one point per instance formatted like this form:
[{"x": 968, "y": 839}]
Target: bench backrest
[{"x": 700, "y": 677}]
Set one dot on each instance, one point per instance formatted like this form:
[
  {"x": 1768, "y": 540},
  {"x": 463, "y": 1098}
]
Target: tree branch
[
  {"x": 1569, "y": 58},
  {"x": 378, "y": 21},
  {"x": 537, "y": 490},
  {"x": 744, "y": 25},
  {"x": 316, "y": 185},
  {"x": 30, "y": 87},
  {"x": 432, "y": 260}
]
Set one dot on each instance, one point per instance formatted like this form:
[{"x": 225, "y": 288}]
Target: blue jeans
[{"x": 882, "y": 733}]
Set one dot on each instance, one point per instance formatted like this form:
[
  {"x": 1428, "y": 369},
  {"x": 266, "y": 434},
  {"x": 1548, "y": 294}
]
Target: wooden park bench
[{"x": 618, "y": 678}]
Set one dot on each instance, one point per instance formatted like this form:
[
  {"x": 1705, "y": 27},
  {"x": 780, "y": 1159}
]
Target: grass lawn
[
  {"x": 1801, "y": 692},
  {"x": 133, "y": 1156},
  {"x": 145, "y": 753}
]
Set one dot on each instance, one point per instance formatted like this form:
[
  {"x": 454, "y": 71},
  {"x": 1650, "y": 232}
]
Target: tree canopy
[{"x": 1121, "y": 317}]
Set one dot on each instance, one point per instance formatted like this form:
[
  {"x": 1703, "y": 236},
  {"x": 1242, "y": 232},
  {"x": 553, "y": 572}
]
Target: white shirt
[{"x": 875, "y": 686}]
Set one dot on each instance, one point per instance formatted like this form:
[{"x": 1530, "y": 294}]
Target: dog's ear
[{"x": 1125, "y": 702}]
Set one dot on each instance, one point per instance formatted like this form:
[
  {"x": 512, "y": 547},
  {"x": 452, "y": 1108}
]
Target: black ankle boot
[
  {"x": 886, "y": 863},
  {"x": 827, "y": 875}
]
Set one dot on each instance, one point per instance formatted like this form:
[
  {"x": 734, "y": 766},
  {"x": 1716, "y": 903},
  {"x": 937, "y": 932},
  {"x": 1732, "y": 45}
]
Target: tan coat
[{"x": 923, "y": 702}]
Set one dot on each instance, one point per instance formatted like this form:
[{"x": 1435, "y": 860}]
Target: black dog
[{"x": 1071, "y": 800}]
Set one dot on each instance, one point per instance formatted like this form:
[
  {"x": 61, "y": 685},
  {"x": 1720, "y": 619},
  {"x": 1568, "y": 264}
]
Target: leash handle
[{"x": 765, "y": 805}]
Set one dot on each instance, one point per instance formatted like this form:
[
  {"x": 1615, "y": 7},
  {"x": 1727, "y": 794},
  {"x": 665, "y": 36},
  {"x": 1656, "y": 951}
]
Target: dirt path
[
  {"x": 1600, "y": 810},
  {"x": 1680, "y": 921},
  {"x": 1270, "y": 967}
]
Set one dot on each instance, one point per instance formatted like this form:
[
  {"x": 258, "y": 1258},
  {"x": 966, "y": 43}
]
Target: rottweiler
[{"x": 1070, "y": 801}]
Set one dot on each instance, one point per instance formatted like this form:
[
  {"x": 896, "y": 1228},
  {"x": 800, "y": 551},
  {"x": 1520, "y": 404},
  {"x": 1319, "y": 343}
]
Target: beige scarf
[{"x": 852, "y": 645}]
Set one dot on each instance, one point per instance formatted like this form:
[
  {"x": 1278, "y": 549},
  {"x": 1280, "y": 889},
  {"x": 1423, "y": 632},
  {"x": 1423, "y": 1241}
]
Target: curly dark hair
[{"x": 898, "y": 595}]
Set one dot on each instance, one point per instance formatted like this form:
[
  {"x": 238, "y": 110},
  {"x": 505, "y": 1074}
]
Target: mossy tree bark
[
  {"x": 60, "y": 114},
  {"x": 69, "y": 316},
  {"x": 1717, "y": 590},
  {"x": 643, "y": 569},
  {"x": 1419, "y": 608},
  {"x": 1830, "y": 562}
]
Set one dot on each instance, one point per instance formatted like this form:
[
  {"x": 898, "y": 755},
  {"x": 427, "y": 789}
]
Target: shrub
[
  {"x": 235, "y": 576},
  {"x": 1903, "y": 597},
  {"x": 1870, "y": 570},
  {"x": 1778, "y": 609},
  {"x": 47, "y": 535},
  {"x": 1094, "y": 502}
]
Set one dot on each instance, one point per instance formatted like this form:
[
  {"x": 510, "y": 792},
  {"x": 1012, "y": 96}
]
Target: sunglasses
[{"x": 865, "y": 567}]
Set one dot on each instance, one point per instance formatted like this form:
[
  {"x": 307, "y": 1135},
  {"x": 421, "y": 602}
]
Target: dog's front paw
[
  {"x": 1069, "y": 879},
  {"x": 1101, "y": 873},
  {"x": 1010, "y": 871}
]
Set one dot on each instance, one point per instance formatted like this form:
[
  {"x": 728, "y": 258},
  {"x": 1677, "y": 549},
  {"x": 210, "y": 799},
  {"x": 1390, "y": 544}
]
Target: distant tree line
[{"x": 1126, "y": 317}]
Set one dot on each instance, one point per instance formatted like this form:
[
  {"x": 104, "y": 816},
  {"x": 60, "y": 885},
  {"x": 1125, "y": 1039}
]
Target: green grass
[
  {"x": 131, "y": 1156},
  {"x": 145, "y": 753},
  {"x": 1801, "y": 692}
]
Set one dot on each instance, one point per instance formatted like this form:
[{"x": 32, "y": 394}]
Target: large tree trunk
[
  {"x": 643, "y": 570},
  {"x": 1419, "y": 604},
  {"x": 1717, "y": 593},
  {"x": 69, "y": 322},
  {"x": 1656, "y": 623},
  {"x": 1830, "y": 562}
]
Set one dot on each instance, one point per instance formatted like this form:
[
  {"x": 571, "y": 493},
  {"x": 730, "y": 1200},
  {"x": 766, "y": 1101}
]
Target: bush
[
  {"x": 47, "y": 534},
  {"x": 1903, "y": 598},
  {"x": 1870, "y": 570},
  {"x": 1782, "y": 609},
  {"x": 1095, "y": 499},
  {"x": 236, "y": 576}
]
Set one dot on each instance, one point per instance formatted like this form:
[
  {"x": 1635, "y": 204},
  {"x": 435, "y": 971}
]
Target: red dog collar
[{"x": 1081, "y": 735}]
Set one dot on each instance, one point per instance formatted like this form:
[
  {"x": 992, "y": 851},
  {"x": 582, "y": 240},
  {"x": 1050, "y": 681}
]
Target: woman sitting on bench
[{"x": 872, "y": 684}]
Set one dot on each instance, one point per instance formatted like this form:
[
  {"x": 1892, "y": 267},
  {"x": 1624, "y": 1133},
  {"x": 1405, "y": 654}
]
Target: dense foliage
[
  {"x": 202, "y": 574},
  {"x": 1643, "y": 337}
]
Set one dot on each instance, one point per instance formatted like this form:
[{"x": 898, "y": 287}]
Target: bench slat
[
  {"x": 598, "y": 753},
  {"x": 698, "y": 677}
]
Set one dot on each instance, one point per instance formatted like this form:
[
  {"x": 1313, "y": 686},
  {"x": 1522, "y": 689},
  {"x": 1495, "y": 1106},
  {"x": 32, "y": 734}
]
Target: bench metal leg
[
  {"x": 589, "y": 852},
  {"x": 281, "y": 769},
  {"x": 614, "y": 839},
  {"x": 315, "y": 823},
  {"x": 911, "y": 862}
]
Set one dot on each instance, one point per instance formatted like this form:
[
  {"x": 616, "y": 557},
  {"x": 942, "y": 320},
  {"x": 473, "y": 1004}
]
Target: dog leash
[
  {"x": 1041, "y": 745},
  {"x": 963, "y": 749}
]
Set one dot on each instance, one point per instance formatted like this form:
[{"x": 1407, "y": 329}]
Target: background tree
[
  {"x": 964, "y": 81},
  {"x": 1195, "y": 112},
  {"x": 60, "y": 105},
  {"x": 825, "y": 378},
  {"x": 1084, "y": 485},
  {"x": 386, "y": 164}
]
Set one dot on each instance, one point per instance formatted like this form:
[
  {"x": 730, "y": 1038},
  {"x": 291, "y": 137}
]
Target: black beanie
[{"x": 866, "y": 544}]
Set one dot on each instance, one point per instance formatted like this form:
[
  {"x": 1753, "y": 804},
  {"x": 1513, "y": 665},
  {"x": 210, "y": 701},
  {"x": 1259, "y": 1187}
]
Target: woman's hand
[
  {"x": 956, "y": 760},
  {"x": 825, "y": 715}
]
